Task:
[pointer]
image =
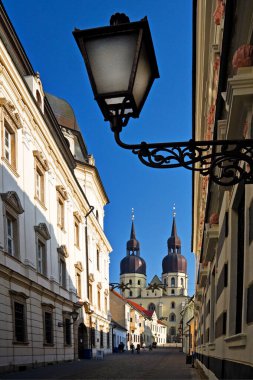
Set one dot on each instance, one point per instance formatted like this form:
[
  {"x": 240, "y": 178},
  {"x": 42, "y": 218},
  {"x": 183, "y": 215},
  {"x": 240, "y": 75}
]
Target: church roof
[{"x": 156, "y": 280}]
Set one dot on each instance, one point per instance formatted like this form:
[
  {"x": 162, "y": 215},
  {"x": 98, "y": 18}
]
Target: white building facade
[{"x": 54, "y": 255}]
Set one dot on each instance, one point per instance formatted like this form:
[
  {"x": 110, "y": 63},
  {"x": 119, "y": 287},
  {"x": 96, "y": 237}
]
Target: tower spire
[
  {"x": 133, "y": 244},
  {"x": 174, "y": 243}
]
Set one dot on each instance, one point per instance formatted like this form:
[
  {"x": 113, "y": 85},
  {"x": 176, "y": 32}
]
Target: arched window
[
  {"x": 38, "y": 98},
  {"x": 172, "y": 291},
  {"x": 151, "y": 306},
  {"x": 130, "y": 293},
  {"x": 130, "y": 281},
  {"x": 172, "y": 317},
  {"x": 173, "y": 305},
  {"x": 139, "y": 282},
  {"x": 182, "y": 282},
  {"x": 173, "y": 281}
]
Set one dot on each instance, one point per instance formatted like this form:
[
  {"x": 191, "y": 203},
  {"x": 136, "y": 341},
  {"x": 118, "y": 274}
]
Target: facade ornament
[
  {"x": 211, "y": 113},
  {"x": 62, "y": 191},
  {"x": 41, "y": 159},
  {"x": 219, "y": 12},
  {"x": 12, "y": 199},
  {"x": 243, "y": 57},
  {"x": 91, "y": 277},
  {"x": 42, "y": 230},
  {"x": 79, "y": 266},
  {"x": 62, "y": 250},
  {"x": 77, "y": 215}
]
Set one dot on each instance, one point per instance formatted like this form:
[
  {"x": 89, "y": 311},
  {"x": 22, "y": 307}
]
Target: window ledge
[
  {"x": 238, "y": 340},
  {"x": 41, "y": 203},
  {"x": 20, "y": 343},
  {"x": 10, "y": 166},
  {"x": 211, "y": 346},
  {"x": 48, "y": 344}
]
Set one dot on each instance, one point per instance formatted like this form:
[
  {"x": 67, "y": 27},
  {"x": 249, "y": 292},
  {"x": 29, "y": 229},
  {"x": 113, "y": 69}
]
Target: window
[
  {"x": 99, "y": 300},
  {"x": 90, "y": 293},
  {"x": 61, "y": 198},
  {"x": 40, "y": 167},
  {"x": 130, "y": 282},
  {"x": 67, "y": 329},
  {"x": 42, "y": 235},
  {"x": 101, "y": 339},
  {"x": 106, "y": 304},
  {"x": 172, "y": 291},
  {"x": 130, "y": 293},
  {"x": 79, "y": 269},
  {"x": 11, "y": 210},
  {"x": 182, "y": 282},
  {"x": 63, "y": 254},
  {"x": 172, "y": 317},
  {"x": 19, "y": 316},
  {"x": 76, "y": 233},
  {"x": 173, "y": 305},
  {"x": 173, "y": 331},
  {"x": 139, "y": 282},
  {"x": 151, "y": 306},
  {"x": 172, "y": 282},
  {"x": 47, "y": 311},
  {"x": 98, "y": 258},
  {"x": 41, "y": 257},
  {"x": 108, "y": 339},
  {"x": 9, "y": 145},
  {"x": 78, "y": 284},
  {"x": 93, "y": 343}
]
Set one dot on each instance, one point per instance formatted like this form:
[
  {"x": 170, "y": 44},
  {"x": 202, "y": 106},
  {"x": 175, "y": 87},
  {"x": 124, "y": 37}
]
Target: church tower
[
  {"x": 174, "y": 265},
  {"x": 133, "y": 267}
]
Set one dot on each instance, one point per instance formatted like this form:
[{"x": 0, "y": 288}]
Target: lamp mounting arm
[{"x": 227, "y": 162}]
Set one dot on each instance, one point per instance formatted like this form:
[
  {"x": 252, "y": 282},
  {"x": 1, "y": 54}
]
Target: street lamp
[{"x": 122, "y": 67}]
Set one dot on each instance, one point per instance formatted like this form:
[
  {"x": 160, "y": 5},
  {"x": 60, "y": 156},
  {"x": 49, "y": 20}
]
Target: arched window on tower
[
  {"x": 172, "y": 281},
  {"x": 172, "y": 317},
  {"x": 139, "y": 282},
  {"x": 151, "y": 306},
  {"x": 182, "y": 282},
  {"x": 173, "y": 305},
  {"x": 130, "y": 282},
  {"x": 130, "y": 293},
  {"x": 172, "y": 291}
]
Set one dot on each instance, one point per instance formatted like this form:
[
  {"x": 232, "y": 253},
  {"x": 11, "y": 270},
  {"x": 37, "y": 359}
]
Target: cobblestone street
[{"x": 157, "y": 364}]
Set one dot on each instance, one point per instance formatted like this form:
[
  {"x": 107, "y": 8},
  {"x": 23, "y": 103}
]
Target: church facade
[{"x": 167, "y": 295}]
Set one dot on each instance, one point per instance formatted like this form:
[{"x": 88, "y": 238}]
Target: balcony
[
  {"x": 211, "y": 235},
  {"x": 203, "y": 274}
]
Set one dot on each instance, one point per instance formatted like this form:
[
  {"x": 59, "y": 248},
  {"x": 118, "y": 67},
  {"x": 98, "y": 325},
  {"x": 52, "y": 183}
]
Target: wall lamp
[
  {"x": 121, "y": 64},
  {"x": 74, "y": 314}
]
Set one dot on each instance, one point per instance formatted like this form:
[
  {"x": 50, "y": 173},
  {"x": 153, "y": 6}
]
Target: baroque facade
[
  {"x": 223, "y": 216},
  {"x": 166, "y": 295},
  {"x": 54, "y": 255}
]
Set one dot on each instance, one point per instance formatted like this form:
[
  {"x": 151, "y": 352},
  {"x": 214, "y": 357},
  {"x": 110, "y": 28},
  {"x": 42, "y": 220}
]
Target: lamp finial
[{"x": 119, "y": 18}]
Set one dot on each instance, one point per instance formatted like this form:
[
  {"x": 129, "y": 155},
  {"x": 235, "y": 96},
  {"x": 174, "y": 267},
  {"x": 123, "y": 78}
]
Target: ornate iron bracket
[
  {"x": 227, "y": 162},
  {"x": 121, "y": 286}
]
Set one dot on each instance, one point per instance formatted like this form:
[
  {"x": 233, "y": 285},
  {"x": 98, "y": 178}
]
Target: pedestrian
[
  {"x": 144, "y": 346},
  {"x": 138, "y": 348},
  {"x": 150, "y": 347},
  {"x": 132, "y": 348}
]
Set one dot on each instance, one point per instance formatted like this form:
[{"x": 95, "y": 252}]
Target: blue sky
[{"x": 45, "y": 30}]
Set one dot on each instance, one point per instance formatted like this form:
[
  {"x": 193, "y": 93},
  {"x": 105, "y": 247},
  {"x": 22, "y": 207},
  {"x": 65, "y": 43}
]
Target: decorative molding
[
  {"x": 49, "y": 305},
  {"x": 12, "y": 111},
  {"x": 77, "y": 215},
  {"x": 106, "y": 292},
  {"x": 243, "y": 57},
  {"x": 42, "y": 230},
  {"x": 99, "y": 285},
  {"x": 41, "y": 159},
  {"x": 11, "y": 198},
  {"x": 79, "y": 266},
  {"x": 18, "y": 294},
  {"x": 62, "y": 191},
  {"x": 62, "y": 250},
  {"x": 91, "y": 277}
]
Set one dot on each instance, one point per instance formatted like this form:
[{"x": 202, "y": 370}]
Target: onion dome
[
  {"x": 63, "y": 112},
  {"x": 174, "y": 261},
  {"x": 133, "y": 263}
]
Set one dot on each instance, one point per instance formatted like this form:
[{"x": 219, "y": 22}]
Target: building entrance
[{"x": 82, "y": 341}]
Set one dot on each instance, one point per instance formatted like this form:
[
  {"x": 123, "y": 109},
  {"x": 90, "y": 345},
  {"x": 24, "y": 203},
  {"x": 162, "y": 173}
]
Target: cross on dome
[{"x": 132, "y": 214}]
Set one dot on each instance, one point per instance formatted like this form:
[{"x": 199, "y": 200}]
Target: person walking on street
[
  {"x": 138, "y": 349},
  {"x": 132, "y": 347}
]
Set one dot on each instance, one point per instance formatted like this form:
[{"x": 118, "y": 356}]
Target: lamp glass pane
[
  {"x": 143, "y": 76},
  {"x": 111, "y": 60}
]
